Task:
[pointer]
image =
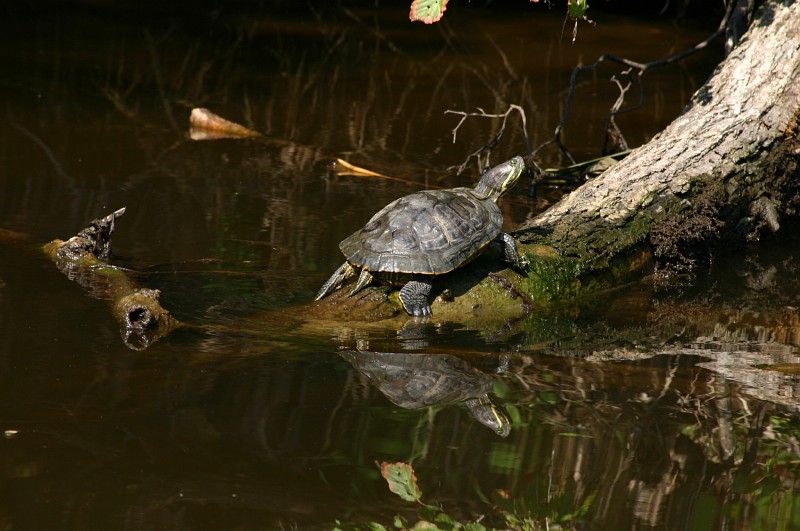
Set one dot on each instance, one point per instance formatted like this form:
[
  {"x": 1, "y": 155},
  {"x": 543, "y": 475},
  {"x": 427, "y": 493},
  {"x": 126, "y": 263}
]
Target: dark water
[{"x": 631, "y": 410}]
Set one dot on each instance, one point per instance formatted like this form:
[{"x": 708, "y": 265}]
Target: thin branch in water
[
  {"x": 376, "y": 31},
  {"x": 639, "y": 68},
  {"x": 504, "y": 57},
  {"x": 157, "y": 73},
  {"x": 51, "y": 156}
]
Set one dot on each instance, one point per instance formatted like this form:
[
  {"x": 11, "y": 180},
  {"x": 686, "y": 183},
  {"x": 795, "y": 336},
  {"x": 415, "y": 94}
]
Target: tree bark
[{"x": 726, "y": 167}]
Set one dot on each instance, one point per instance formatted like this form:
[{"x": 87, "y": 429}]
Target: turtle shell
[
  {"x": 414, "y": 381},
  {"x": 429, "y": 232}
]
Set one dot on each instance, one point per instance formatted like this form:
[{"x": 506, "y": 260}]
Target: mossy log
[
  {"x": 83, "y": 258},
  {"x": 726, "y": 170}
]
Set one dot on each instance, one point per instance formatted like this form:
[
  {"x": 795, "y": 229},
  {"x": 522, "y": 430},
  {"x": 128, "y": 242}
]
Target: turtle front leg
[
  {"x": 510, "y": 254},
  {"x": 414, "y": 296},
  {"x": 344, "y": 272}
]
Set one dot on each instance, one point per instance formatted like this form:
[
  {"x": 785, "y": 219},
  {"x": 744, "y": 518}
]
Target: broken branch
[
  {"x": 486, "y": 150},
  {"x": 83, "y": 258}
]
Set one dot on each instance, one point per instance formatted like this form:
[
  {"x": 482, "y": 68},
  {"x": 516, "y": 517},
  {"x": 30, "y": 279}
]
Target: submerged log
[{"x": 84, "y": 259}]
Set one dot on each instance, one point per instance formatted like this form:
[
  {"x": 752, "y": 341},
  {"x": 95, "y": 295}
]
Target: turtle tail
[{"x": 344, "y": 272}]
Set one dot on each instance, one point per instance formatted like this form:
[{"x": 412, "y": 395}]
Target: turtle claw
[
  {"x": 419, "y": 311},
  {"x": 422, "y": 312}
]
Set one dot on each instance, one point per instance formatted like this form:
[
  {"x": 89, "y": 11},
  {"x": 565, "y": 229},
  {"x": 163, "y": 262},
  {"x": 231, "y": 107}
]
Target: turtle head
[
  {"x": 497, "y": 180},
  {"x": 490, "y": 415}
]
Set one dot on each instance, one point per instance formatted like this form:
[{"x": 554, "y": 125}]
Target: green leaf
[
  {"x": 402, "y": 480},
  {"x": 427, "y": 11},
  {"x": 577, "y": 8}
]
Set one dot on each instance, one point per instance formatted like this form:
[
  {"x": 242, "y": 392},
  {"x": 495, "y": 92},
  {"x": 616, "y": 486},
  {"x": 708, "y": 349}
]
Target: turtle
[
  {"x": 429, "y": 233},
  {"x": 415, "y": 381}
]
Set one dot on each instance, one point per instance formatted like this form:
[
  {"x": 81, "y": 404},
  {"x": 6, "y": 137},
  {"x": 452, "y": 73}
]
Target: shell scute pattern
[
  {"x": 393, "y": 263},
  {"x": 428, "y": 232},
  {"x": 404, "y": 240}
]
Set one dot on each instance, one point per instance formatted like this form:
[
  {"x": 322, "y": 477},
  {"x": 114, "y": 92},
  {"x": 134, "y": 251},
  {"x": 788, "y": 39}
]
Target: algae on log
[
  {"x": 83, "y": 258},
  {"x": 726, "y": 168}
]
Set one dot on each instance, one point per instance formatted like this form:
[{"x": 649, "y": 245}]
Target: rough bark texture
[{"x": 728, "y": 165}]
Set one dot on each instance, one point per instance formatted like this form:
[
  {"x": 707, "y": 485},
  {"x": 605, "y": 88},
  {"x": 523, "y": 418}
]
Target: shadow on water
[{"x": 633, "y": 409}]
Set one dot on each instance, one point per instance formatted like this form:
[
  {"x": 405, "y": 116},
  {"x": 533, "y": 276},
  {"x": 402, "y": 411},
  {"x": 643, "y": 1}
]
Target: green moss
[{"x": 550, "y": 276}]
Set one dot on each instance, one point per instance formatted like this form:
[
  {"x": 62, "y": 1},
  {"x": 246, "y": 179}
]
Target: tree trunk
[{"x": 727, "y": 167}]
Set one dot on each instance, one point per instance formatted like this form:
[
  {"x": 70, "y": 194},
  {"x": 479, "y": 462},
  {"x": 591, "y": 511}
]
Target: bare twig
[
  {"x": 486, "y": 149},
  {"x": 614, "y": 135},
  {"x": 48, "y": 152}
]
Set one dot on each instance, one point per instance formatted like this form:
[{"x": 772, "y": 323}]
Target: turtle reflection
[{"x": 414, "y": 381}]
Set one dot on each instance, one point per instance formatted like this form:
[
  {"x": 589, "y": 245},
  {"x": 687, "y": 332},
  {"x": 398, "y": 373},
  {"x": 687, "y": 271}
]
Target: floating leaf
[
  {"x": 427, "y": 11},
  {"x": 402, "y": 480},
  {"x": 342, "y": 167},
  {"x": 205, "y": 125}
]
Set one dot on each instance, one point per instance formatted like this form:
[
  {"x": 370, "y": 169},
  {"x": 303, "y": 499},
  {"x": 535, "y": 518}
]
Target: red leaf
[{"x": 402, "y": 480}]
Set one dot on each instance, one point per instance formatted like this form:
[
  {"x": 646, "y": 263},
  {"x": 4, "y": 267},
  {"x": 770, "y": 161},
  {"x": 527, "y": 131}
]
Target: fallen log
[{"x": 84, "y": 259}]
